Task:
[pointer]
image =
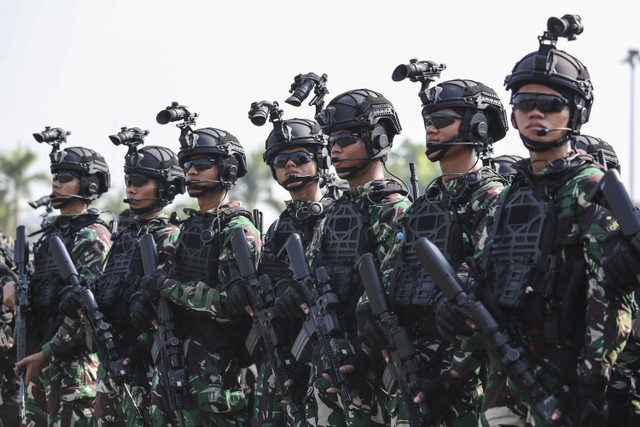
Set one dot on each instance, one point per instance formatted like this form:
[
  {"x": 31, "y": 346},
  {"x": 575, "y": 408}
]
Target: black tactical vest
[{"x": 123, "y": 268}]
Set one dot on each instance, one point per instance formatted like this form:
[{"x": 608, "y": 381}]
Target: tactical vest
[
  {"x": 344, "y": 240},
  {"x": 301, "y": 221},
  {"x": 521, "y": 261},
  {"x": 436, "y": 219},
  {"x": 197, "y": 252},
  {"x": 123, "y": 268},
  {"x": 46, "y": 282}
]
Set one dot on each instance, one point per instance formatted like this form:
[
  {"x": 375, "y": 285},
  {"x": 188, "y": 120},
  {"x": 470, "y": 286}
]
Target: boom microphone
[{"x": 543, "y": 132}]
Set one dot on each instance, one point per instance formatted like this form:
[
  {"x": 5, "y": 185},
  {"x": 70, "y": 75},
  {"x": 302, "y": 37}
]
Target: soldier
[
  {"x": 202, "y": 284},
  {"x": 8, "y": 382},
  {"x": 299, "y": 162},
  {"x": 544, "y": 262},
  {"x": 62, "y": 377},
  {"x": 361, "y": 124},
  {"x": 463, "y": 118},
  {"x": 153, "y": 178}
]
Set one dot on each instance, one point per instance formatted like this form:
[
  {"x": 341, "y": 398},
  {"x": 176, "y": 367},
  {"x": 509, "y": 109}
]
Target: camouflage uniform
[
  {"x": 112, "y": 290},
  {"x": 567, "y": 318},
  {"x": 213, "y": 343},
  {"x": 378, "y": 205},
  {"x": 8, "y": 389},
  {"x": 452, "y": 208},
  {"x": 63, "y": 394},
  {"x": 296, "y": 218}
]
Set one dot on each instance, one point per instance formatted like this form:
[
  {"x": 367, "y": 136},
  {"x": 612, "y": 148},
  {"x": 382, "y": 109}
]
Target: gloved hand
[
  {"x": 450, "y": 319},
  {"x": 620, "y": 262},
  {"x": 152, "y": 284},
  {"x": 441, "y": 391},
  {"x": 235, "y": 300},
  {"x": 586, "y": 404},
  {"x": 141, "y": 313},
  {"x": 124, "y": 367},
  {"x": 288, "y": 299},
  {"x": 69, "y": 302},
  {"x": 369, "y": 332}
]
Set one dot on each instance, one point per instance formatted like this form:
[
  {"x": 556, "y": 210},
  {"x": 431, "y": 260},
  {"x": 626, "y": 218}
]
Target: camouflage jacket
[
  {"x": 90, "y": 248},
  {"x": 204, "y": 297},
  {"x": 581, "y": 225}
]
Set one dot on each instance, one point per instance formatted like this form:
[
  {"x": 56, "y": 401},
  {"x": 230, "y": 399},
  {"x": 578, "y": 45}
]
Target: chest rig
[
  {"x": 344, "y": 239},
  {"x": 436, "y": 217},
  {"x": 302, "y": 220},
  {"x": 521, "y": 261},
  {"x": 46, "y": 282},
  {"x": 123, "y": 268}
]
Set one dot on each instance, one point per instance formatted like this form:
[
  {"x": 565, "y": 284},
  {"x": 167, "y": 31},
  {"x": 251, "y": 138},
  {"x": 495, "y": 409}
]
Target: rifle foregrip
[
  {"x": 372, "y": 284},
  {"x": 439, "y": 268},
  {"x": 63, "y": 260},
  {"x": 243, "y": 256},
  {"x": 295, "y": 250},
  {"x": 149, "y": 253}
]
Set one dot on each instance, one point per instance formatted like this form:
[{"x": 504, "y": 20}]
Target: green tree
[
  {"x": 412, "y": 152},
  {"x": 16, "y": 184},
  {"x": 257, "y": 185}
]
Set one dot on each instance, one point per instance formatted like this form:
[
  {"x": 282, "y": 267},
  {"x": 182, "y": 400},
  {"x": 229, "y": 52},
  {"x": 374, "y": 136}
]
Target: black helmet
[
  {"x": 484, "y": 118},
  {"x": 560, "y": 71},
  {"x": 365, "y": 111},
  {"x": 599, "y": 149},
  {"x": 160, "y": 163},
  {"x": 293, "y": 133},
  {"x": 93, "y": 169},
  {"x": 221, "y": 145}
]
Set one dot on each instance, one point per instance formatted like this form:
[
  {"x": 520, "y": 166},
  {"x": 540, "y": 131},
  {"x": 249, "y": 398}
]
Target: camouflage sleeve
[
  {"x": 483, "y": 200},
  {"x": 206, "y": 298},
  {"x": 166, "y": 240},
  {"x": 89, "y": 252},
  {"x": 384, "y": 218},
  {"x": 608, "y": 317}
]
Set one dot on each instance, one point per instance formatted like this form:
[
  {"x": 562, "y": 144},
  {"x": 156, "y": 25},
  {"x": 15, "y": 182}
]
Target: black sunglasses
[
  {"x": 135, "y": 180},
  {"x": 63, "y": 177},
  {"x": 297, "y": 157},
  {"x": 546, "y": 103},
  {"x": 440, "y": 120},
  {"x": 343, "y": 139},
  {"x": 200, "y": 164}
]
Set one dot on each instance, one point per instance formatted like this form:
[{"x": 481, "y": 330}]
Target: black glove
[
  {"x": 288, "y": 299},
  {"x": 361, "y": 363},
  {"x": 586, "y": 404},
  {"x": 236, "y": 299},
  {"x": 441, "y": 391},
  {"x": 152, "y": 284},
  {"x": 449, "y": 319},
  {"x": 69, "y": 302},
  {"x": 369, "y": 332},
  {"x": 141, "y": 313},
  {"x": 620, "y": 262}
]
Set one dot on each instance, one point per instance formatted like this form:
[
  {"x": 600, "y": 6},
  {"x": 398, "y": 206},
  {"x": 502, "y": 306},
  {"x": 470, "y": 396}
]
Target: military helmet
[
  {"x": 160, "y": 163},
  {"x": 293, "y": 133},
  {"x": 599, "y": 149},
  {"x": 365, "y": 111},
  {"x": 560, "y": 71},
  {"x": 484, "y": 118},
  {"x": 93, "y": 169},
  {"x": 220, "y": 145}
]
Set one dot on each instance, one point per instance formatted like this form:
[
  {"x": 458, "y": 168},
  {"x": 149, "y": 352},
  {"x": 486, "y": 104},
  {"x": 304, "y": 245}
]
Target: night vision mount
[
  {"x": 176, "y": 112},
  {"x": 259, "y": 112},
  {"x": 569, "y": 26},
  {"x": 424, "y": 72},
  {"x": 54, "y": 137},
  {"x": 301, "y": 88},
  {"x": 131, "y": 137}
]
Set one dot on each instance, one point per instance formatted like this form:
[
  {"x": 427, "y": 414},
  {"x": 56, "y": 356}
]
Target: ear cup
[
  {"x": 379, "y": 139},
  {"x": 478, "y": 126},
  {"x": 513, "y": 120},
  {"x": 228, "y": 172},
  {"x": 170, "y": 192}
]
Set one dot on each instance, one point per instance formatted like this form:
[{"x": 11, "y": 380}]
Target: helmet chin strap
[
  {"x": 540, "y": 147},
  {"x": 61, "y": 200},
  {"x": 303, "y": 180},
  {"x": 441, "y": 148},
  {"x": 203, "y": 189},
  {"x": 352, "y": 170},
  {"x": 140, "y": 211}
]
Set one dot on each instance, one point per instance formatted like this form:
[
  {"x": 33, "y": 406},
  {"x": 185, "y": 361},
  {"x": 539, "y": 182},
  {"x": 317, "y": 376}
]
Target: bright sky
[{"x": 92, "y": 67}]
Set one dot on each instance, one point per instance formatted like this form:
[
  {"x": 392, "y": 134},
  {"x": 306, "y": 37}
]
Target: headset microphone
[{"x": 543, "y": 132}]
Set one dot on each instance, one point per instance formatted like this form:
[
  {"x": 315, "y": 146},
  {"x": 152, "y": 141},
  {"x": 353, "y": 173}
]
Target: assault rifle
[
  {"x": 265, "y": 317},
  {"x": 22, "y": 306},
  {"x": 510, "y": 356},
  {"x": 166, "y": 344},
  {"x": 402, "y": 369},
  {"x": 101, "y": 330},
  {"x": 322, "y": 323}
]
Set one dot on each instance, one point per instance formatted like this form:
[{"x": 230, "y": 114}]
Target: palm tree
[{"x": 16, "y": 181}]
